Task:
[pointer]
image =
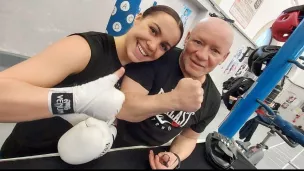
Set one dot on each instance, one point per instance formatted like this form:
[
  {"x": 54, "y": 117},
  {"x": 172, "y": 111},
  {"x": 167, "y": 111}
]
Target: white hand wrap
[{"x": 99, "y": 99}]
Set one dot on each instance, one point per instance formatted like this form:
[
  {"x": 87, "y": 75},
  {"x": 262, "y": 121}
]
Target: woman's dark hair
[{"x": 169, "y": 11}]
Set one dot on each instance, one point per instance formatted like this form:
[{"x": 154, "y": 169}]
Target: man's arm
[
  {"x": 184, "y": 144},
  {"x": 138, "y": 105}
]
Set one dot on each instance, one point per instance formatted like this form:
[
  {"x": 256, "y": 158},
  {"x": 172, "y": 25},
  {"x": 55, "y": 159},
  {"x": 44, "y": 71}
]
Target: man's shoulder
[
  {"x": 212, "y": 99},
  {"x": 212, "y": 89}
]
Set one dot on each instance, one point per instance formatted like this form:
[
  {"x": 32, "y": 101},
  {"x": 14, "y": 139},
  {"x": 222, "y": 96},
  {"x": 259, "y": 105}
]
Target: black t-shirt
[
  {"x": 159, "y": 77},
  {"x": 104, "y": 59}
]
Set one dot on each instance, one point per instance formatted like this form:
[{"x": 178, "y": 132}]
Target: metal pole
[{"x": 272, "y": 74}]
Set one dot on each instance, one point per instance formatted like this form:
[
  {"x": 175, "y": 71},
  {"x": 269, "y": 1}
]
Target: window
[{"x": 265, "y": 38}]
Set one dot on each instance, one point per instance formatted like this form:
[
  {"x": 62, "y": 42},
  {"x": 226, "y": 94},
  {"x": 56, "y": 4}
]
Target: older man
[{"x": 175, "y": 96}]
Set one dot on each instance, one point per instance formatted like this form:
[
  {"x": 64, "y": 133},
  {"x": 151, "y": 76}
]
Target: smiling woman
[
  {"x": 79, "y": 63},
  {"x": 154, "y": 32},
  {"x": 84, "y": 57}
]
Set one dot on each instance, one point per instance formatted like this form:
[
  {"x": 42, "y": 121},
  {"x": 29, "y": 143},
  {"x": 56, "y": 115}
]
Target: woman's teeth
[{"x": 141, "y": 50}]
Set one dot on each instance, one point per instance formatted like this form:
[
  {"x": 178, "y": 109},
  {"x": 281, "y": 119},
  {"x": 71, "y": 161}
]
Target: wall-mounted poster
[
  {"x": 235, "y": 63},
  {"x": 185, "y": 13},
  {"x": 242, "y": 70},
  {"x": 231, "y": 68},
  {"x": 244, "y": 10}
]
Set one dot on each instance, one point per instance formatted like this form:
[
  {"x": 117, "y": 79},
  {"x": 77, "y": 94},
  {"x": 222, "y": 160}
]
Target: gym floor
[{"x": 276, "y": 157}]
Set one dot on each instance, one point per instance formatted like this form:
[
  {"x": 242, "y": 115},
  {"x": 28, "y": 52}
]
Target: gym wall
[
  {"x": 289, "y": 113},
  {"x": 262, "y": 16},
  {"x": 29, "y": 26},
  {"x": 296, "y": 75},
  {"x": 294, "y": 85}
]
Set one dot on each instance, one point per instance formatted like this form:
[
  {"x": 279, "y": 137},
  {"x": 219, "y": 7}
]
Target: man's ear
[
  {"x": 187, "y": 38},
  {"x": 138, "y": 18},
  {"x": 225, "y": 57}
]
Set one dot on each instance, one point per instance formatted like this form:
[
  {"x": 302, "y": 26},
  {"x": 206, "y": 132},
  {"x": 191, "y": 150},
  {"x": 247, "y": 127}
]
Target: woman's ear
[{"x": 138, "y": 18}]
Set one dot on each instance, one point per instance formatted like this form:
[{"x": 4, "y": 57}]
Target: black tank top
[{"x": 104, "y": 59}]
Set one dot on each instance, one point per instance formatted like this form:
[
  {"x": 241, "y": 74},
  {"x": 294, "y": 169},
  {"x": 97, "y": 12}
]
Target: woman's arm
[
  {"x": 24, "y": 87},
  {"x": 48, "y": 68}
]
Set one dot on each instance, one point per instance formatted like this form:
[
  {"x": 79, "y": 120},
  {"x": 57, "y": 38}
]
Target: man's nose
[{"x": 202, "y": 54}]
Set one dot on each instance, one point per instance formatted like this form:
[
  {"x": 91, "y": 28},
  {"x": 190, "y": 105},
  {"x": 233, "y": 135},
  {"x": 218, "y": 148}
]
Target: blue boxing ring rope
[{"x": 272, "y": 74}]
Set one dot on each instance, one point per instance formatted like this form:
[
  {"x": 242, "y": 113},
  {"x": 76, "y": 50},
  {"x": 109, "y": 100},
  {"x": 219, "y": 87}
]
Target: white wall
[
  {"x": 269, "y": 10},
  {"x": 297, "y": 76},
  {"x": 27, "y": 27},
  {"x": 290, "y": 112}
]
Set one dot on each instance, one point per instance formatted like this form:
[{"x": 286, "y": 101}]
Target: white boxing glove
[
  {"x": 99, "y": 98},
  {"x": 86, "y": 141}
]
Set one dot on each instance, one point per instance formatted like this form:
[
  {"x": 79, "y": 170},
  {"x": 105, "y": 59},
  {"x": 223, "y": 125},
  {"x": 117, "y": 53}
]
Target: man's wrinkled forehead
[{"x": 215, "y": 27}]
